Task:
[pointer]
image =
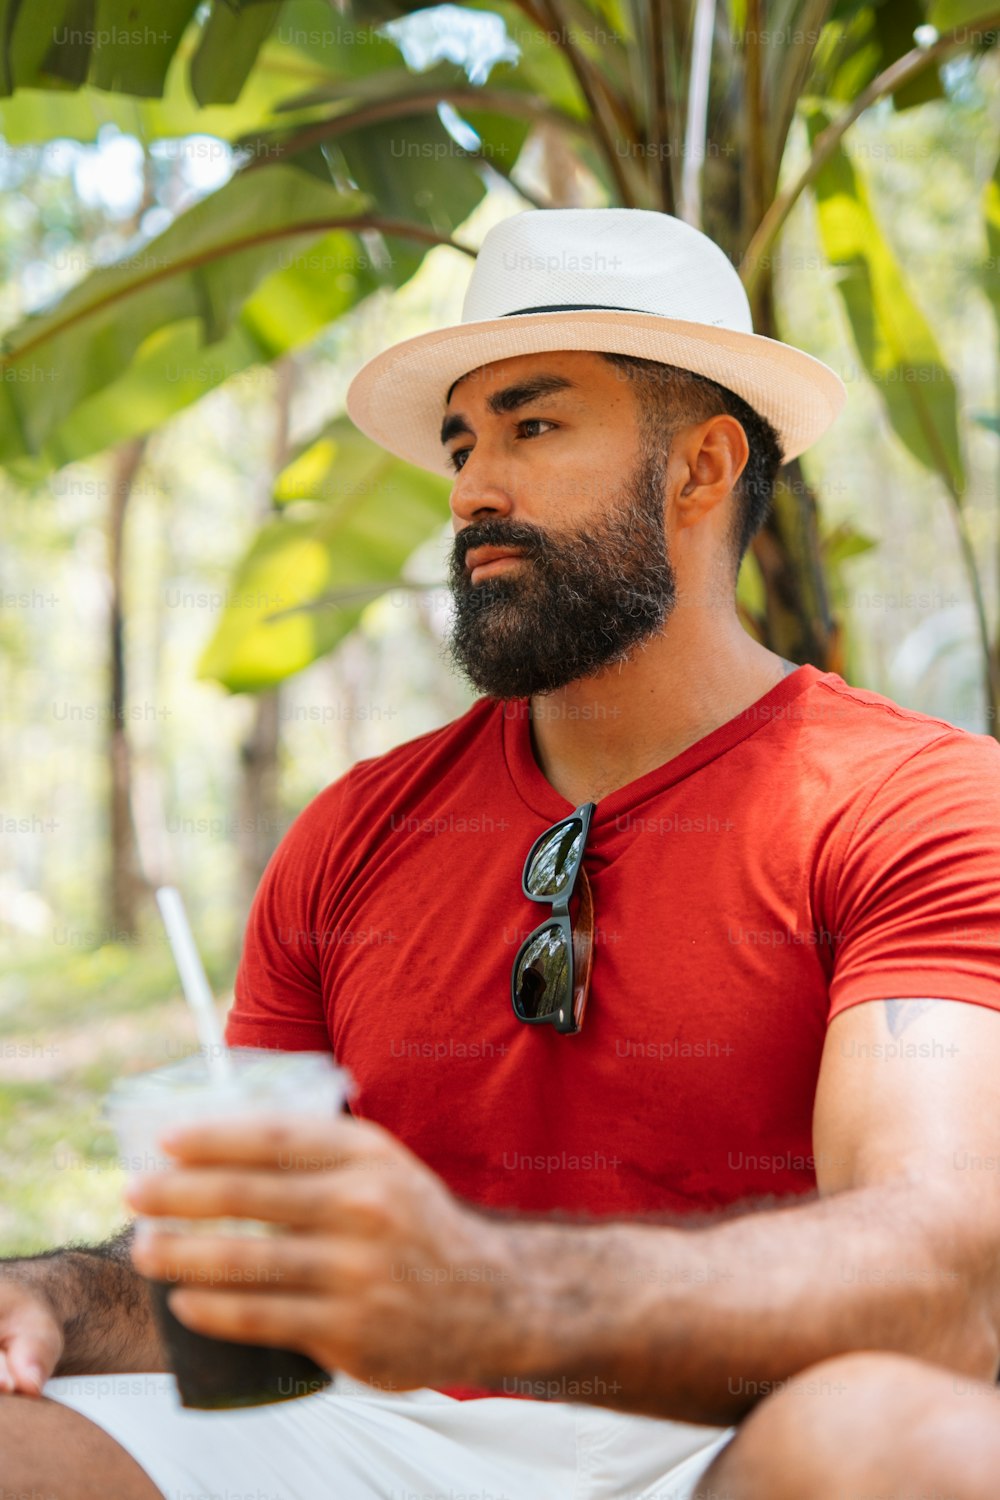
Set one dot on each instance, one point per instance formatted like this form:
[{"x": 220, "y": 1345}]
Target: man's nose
[{"x": 476, "y": 495}]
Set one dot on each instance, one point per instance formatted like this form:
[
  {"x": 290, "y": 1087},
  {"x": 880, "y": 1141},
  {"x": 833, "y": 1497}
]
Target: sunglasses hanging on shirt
[{"x": 550, "y": 980}]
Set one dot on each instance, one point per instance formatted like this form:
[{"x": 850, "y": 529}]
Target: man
[{"x": 667, "y": 975}]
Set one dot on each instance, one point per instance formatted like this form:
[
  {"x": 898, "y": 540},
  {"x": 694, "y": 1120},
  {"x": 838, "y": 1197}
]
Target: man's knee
[
  {"x": 50, "y": 1450},
  {"x": 862, "y": 1424}
]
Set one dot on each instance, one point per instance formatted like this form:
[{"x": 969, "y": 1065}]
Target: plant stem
[
  {"x": 617, "y": 103},
  {"x": 589, "y": 80},
  {"x": 753, "y": 103},
  {"x": 660, "y": 141},
  {"x": 696, "y": 131}
]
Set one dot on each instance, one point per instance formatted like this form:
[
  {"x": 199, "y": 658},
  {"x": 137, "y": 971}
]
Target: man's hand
[
  {"x": 80, "y": 1310},
  {"x": 375, "y": 1268},
  {"x": 380, "y": 1272},
  {"x": 31, "y": 1336}
]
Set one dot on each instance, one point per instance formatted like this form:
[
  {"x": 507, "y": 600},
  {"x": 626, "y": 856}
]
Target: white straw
[{"x": 194, "y": 983}]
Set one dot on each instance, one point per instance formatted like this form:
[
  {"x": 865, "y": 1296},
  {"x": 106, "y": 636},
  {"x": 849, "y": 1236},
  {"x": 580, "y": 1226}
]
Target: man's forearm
[
  {"x": 698, "y": 1324},
  {"x": 101, "y": 1302}
]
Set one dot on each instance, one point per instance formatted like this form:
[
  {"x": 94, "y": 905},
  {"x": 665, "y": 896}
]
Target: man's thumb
[
  {"x": 28, "y": 1371},
  {"x": 32, "y": 1354}
]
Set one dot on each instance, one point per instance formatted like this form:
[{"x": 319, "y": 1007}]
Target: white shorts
[{"x": 355, "y": 1443}]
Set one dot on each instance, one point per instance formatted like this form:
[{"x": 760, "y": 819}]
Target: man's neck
[{"x": 603, "y": 732}]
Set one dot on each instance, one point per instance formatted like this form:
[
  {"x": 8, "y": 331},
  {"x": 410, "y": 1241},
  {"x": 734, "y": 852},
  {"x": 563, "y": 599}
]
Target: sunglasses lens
[
  {"x": 541, "y": 980},
  {"x": 552, "y": 862}
]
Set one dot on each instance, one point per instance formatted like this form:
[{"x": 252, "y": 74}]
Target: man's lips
[{"x": 482, "y": 562}]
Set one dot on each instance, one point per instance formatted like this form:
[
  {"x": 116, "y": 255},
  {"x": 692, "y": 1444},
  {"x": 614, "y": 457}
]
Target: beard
[{"x": 578, "y": 602}]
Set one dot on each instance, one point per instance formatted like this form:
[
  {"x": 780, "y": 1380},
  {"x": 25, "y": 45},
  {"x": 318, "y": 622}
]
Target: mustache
[{"x": 529, "y": 539}]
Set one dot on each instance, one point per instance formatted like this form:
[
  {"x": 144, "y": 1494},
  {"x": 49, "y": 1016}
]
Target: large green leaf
[
  {"x": 174, "y": 368},
  {"x": 228, "y": 48},
  {"x": 386, "y": 136},
  {"x": 501, "y": 136},
  {"x": 391, "y": 117},
  {"x": 120, "y": 45},
  {"x": 305, "y": 580},
  {"x": 309, "y": 48},
  {"x": 893, "y": 338},
  {"x": 414, "y": 171},
  {"x": 33, "y": 115},
  {"x": 128, "y": 46},
  {"x": 205, "y": 266},
  {"x": 31, "y": 53},
  {"x": 337, "y": 465},
  {"x": 135, "y": 42}
]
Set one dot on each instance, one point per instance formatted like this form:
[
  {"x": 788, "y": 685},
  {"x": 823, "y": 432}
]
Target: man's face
[{"x": 562, "y": 480}]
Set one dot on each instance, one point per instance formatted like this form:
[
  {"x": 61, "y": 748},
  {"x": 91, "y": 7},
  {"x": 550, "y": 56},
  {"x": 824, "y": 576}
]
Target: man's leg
[
  {"x": 873, "y": 1425},
  {"x": 353, "y": 1442},
  {"x": 48, "y": 1449}
]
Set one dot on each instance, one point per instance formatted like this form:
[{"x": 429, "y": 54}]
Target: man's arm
[
  {"x": 900, "y": 1252},
  {"x": 98, "y": 1301},
  {"x": 382, "y": 1273}
]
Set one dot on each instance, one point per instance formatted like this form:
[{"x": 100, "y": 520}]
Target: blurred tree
[
  {"x": 259, "y": 806},
  {"x": 124, "y": 882}
]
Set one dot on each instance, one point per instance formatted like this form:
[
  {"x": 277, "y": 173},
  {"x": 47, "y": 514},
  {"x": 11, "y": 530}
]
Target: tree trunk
[
  {"x": 257, "y": 832},
  {"x": 125, "y": 885},
  {"x": 258, "y": 827}
]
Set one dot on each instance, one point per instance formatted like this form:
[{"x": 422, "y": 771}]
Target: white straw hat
[{"x": 618, "y": 280}]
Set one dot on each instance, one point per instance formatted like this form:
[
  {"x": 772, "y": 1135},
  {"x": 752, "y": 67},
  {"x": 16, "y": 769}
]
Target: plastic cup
[{"x": 217, "y": 1374}]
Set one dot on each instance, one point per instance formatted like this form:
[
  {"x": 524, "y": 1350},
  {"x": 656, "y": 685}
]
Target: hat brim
[{"x": 398, "y": 398}]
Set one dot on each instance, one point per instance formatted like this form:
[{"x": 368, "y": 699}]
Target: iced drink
[{"x": 216, "y": 1374}]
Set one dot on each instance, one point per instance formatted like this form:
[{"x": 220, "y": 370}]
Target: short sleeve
[
  {"x": 279, "y": 999},
  {"x": 916, "y": 897}
]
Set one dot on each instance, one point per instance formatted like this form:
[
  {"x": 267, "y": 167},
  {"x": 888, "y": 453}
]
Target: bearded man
[{"x": 672, "y": 1169}]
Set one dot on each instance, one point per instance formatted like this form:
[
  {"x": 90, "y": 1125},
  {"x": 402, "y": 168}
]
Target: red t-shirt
[{"x": 823, "y": 848}]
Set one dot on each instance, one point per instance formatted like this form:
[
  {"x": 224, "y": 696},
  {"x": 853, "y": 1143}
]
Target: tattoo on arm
[{"x": 902, "y": 1013}]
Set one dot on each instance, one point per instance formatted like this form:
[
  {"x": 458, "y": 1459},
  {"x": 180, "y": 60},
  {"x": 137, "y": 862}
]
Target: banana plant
[{"x": 657, "y": 104}]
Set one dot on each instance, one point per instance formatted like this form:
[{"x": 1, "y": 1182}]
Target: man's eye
[{"x": 457, "y": 453}]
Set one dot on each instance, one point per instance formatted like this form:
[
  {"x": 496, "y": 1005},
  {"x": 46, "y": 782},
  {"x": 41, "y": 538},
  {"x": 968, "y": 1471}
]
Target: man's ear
[{"x": 714, "y": 454}]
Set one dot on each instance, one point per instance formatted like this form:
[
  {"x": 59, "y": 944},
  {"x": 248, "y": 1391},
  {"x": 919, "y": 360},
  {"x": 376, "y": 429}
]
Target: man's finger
[
  {"x": 213, "y": 1193},
  {"x": 279, "y": 1321},
  {"x": 345, "y": 1202},
  {"x": 31, "y": 1353},
  {"x": 299, "y": 1263},
  {"x": 305, "y": 1143},
  {"x": 28, "y": 1372}
]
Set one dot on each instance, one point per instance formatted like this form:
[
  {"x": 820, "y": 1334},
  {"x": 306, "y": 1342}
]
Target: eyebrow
[{"x": 510, "y": 398}]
